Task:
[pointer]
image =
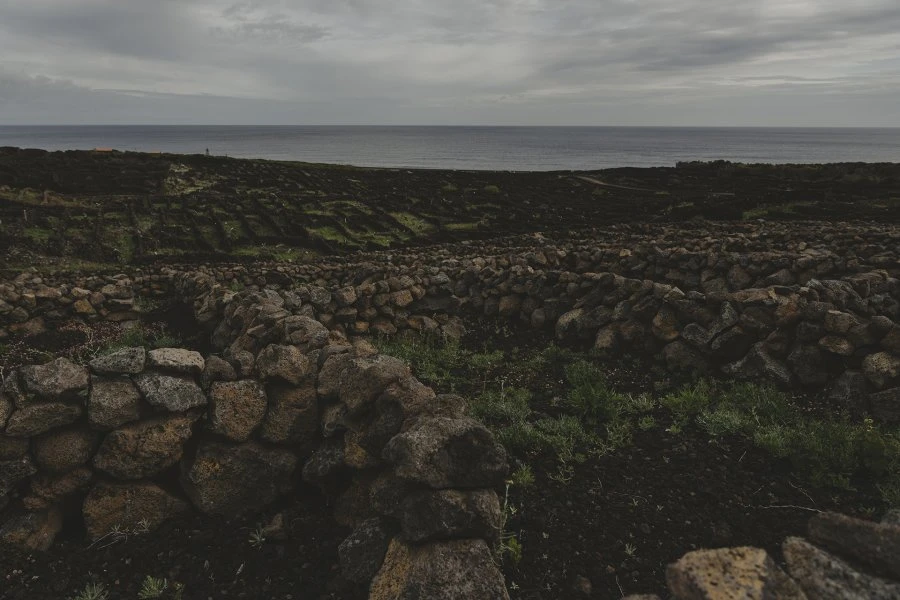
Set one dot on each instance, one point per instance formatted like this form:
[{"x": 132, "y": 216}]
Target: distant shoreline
[{"x": 479, "y": 148}]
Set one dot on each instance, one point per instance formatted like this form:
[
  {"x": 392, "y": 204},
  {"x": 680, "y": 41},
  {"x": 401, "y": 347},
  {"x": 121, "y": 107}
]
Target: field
[{"x": 618, "y": 465}]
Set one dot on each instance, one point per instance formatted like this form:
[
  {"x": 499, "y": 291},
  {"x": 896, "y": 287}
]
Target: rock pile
[{"x": 408, "y": 470}]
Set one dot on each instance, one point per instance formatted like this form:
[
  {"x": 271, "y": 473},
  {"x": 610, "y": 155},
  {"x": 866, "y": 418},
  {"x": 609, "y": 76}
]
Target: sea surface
[{"x": 492, "y": 148}]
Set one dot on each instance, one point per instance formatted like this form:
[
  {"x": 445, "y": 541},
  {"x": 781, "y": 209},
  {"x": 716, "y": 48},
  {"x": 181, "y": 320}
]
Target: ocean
[{"x": 479, "y": 148}]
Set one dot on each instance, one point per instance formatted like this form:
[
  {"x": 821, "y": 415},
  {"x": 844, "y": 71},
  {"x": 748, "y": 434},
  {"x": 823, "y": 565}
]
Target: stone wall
[
  {"x": 802, "y": 305},
  {"x": 136, "y": 437}
]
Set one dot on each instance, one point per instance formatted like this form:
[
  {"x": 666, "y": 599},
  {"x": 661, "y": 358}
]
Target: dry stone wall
[
  {"x": 137, "y": 437},
  {"x": 803, "y": 305}
]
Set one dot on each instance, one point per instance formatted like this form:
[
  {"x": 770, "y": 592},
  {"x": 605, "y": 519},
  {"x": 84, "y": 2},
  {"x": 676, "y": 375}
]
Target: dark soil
[
  {"x": 660, "y": 498},
  {"x": 210, "y": 557},
  {"x": 663, "y": 495}
]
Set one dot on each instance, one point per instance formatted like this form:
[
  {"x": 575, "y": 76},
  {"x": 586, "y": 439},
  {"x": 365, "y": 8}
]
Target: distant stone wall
[
  {"x": 802, "y": 305},
  {"x": 136, "y": 437}
]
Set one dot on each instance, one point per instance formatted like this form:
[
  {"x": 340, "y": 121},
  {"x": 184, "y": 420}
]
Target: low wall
[{"x": 137, "y": 437}]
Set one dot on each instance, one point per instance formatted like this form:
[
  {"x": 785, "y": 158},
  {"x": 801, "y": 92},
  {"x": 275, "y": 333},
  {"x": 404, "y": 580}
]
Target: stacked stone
[
  {"x": 711, "y": 258},
  {"x": 410, "y": 472},
  {"x": 843, "y": 559}
]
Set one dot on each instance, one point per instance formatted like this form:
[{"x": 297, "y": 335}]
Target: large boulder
[
  {"x": 58, "y": 379},
  {"x": 63, "y": 450},
  {"x": 292, "y": 416},
  {"x": 826, "y": 577},
  {"x": 36, "y": 419},
  {"x": 438, "y": 571},
  {"x": 113, "y": 402},
  {"x": 236, "y": 408},
  {"x": 443, "y": 452},
  {"x": 144, "y": 449},
  {"x": 127, "y": 361},
  {"x": 886, "y": 405},
  {"x": 230, "y": 480},
  {"x": 178, "y": 360},
  {"x": 175, "y": 393},
  {"x": 126, "y": 506},
  {"x": 728, "y": 573},
  {"x": 443, "y": 514}
]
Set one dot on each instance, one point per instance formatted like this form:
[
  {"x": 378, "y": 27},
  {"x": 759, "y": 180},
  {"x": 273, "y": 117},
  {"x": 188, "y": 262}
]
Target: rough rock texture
[
  {"x": 362, "y": 553},
  {"x": 178, "y": 360},
  {"x": 128, "y": 506},
  {"x": 63, "y": 450},
  {"x": 236, "y": 408},
  {"x": 175, "y": 393},
  {"x": 13, "y": 448},
  {"x": 36, "y": 419},
  {"x": 128, "y": 361},
  {"x": 729, "y": 573},
  {"x": 284, "y": 363},
  {"x": 826, "y": 577},
  {"x": 216, "y": 369},
  {"x": 59, "y": 379},
  {"x": 364, "y": 379},
  {"x": 144, "y": 449},
  {"x": 230, "y": 480},
  {"x": 292, "y": 415},
  {"x": 113, "y": 402},
  {"x": 875, "y": 544},
  {"x": 443, "y": 452},
  {"x": 32, "y": 531},
  {"x": 47, "y": 490},
  {"x": 450, "y": 514},
  {"x": 14, "y": 471},
  {"x": 881, "y": 368},
  {"x": 438, "y": 571}
]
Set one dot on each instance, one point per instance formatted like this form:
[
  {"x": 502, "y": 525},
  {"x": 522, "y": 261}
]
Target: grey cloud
[{"x": 467, "y": 61}]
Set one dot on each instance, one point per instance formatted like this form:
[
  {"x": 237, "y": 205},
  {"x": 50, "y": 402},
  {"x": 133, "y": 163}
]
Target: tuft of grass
[
  {"x": 152, "y": 588},
  {"x": 523, "y": 477},
  {"x": 93, "y": 591},
  {"x": 435, "y": 360},
  {"x": 689, "y": 401}
]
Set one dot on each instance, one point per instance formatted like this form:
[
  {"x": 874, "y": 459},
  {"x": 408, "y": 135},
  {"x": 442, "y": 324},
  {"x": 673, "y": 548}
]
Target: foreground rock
[
  {"x": 730, "y": 573},
  {"x": 438, "y": 571},
  {"x": 128, "y": 507},
  {"x": 443, "y": 452},
  {"x": 230, "y": 480}
]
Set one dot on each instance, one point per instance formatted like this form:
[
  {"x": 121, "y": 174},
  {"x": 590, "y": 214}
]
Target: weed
[
  {"x": 93, "y": 591},
  {"x": 257, "y": 537},
  {"x": 646, "y": 423},
  {"x": 523, "y": 477},
  {"x": 631, "y": 550},
  {"x": 152, "y": 587},
  {"x": 689, "y": 401}
]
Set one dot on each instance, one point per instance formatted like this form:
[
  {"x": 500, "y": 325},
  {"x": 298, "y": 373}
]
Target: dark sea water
[{"x": 495, "y": 148}]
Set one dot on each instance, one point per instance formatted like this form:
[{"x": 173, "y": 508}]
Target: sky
[{"x": 451, "y": 62}]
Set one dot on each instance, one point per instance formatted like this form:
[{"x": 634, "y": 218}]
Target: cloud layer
[{"x": 542, "y": 62}]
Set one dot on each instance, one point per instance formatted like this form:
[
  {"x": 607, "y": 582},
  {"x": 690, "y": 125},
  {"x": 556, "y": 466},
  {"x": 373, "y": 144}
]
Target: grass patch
[{"x": 412, "y": 222}]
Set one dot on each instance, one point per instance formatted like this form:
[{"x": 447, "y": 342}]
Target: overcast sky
[{"x": 540, "y": 62}]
